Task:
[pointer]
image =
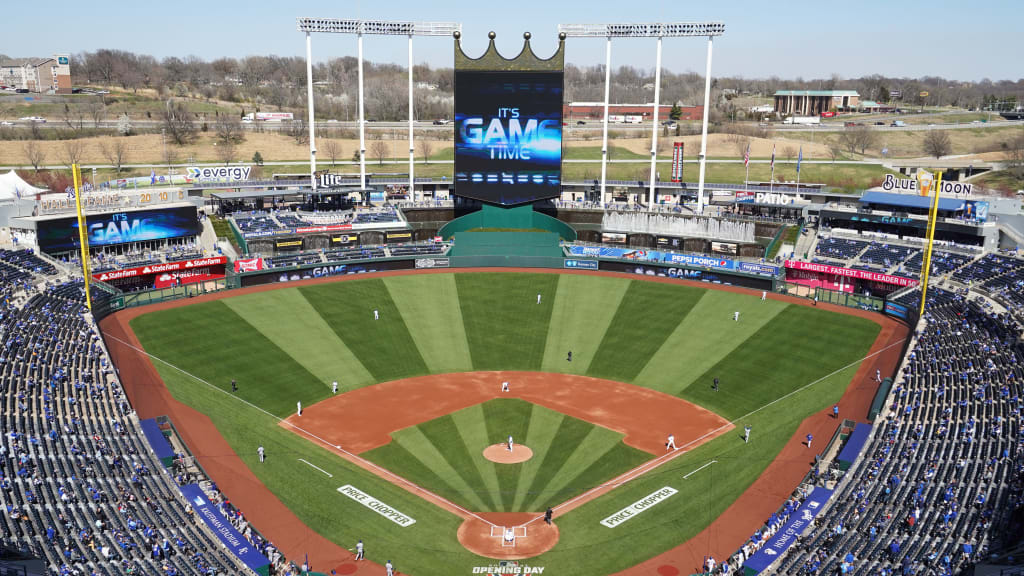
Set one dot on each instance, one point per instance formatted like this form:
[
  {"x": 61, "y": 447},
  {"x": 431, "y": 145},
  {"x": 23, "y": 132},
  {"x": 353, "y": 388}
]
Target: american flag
[
  {"x": 799, "y": 159},
  {"x": 746, "y": 156},
  {"x": 773, "y": 156}
]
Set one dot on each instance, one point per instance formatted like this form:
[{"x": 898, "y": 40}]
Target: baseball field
[{"x": 419, "y": 400}]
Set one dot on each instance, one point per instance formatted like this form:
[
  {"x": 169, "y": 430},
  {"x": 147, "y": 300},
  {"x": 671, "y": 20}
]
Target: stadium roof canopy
[{"x": 910, "y": 201}]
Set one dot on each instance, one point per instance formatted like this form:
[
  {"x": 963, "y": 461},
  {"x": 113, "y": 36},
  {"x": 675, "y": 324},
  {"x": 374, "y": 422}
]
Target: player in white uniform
[
  {"x": 764, "y": 295},
  {"x": 260, "y": 452},
  {"x": 504, "y": 386},
  {"x": 510, "y": 443},
  {"x": 538, "y": 298},
  {"x": 376, "y": 315},
  {"x": 736, "y": 316},
  {"x": 298, "y": 407},
  {"x": 670, "y": 444},
  {"x": 334, "y": 387}
]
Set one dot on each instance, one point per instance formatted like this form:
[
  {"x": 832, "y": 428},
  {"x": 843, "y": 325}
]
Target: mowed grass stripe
[
  {"x": 570, "y": 434},
  {"x": 440, "y": 449},
  {"x": 288, "y": 320},
  {"x": 407, "y": 463},
  {"x": 429, "y": 304},
  {"x": 504, "y": 418},
  {"x": 648, "y": 314},
  {"x": 616, "y": 460},
  {"x": 592, "y": 448},
  {"x": 446, "y": 438},
  {"x": 213, "y": 342},
  {"x": 705, "y": 336},
  {"x": 384, "y": 346},
  {"x": 583, "y": 308},
  {"x": 473, "y": 430},
  {"x": 801, "y": 344},
  {"x": 540, "y": 436},
  {"x": 505, "y": 327}
]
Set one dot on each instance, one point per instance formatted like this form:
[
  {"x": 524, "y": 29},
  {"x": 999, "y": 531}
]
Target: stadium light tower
[
  {"x": 359, "y": 28},
  {"x": 657, "y": 30}
]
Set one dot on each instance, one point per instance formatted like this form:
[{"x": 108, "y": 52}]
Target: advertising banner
[
  {"x": 288, "y": 244},
  {"x": 976, "y": 210},
  {"x": 345, "y": 239},
  {"x": 248, "y": 264},
  {"x": 168, "y": 279},
  {"x": 745, "y": 197},
  {"x": 61, "y": 234},
  {"x": 508, "y": 135},
  {"x": 433, "y": 262},
  {"x": 697, "y": 260},
  {"x": 160, "y": 268},
  {"x": 395, "y": 237},
  {"x": 850, "y": 273},
  {"x": 798, "y": 522},
  {"x": 223, "y": 529},
  {"x": 891, "y": 183},
  {"x": 580, "y": 264},
  {"x": 219, "y": 173},
  {"x": 677, "y": 161},
  {"x": 897, "y": 310},
  {"x": 613, "y": 238},
  {"x": 724, "y": 248},
  {"x": 331, "y": 228}
]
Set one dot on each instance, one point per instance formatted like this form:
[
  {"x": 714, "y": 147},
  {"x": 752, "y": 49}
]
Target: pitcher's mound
[{"x": 499, "y": 453}]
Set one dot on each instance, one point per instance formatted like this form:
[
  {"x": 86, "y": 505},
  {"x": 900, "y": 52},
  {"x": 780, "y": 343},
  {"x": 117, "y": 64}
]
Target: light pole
[{"x": 657, "y": 30}]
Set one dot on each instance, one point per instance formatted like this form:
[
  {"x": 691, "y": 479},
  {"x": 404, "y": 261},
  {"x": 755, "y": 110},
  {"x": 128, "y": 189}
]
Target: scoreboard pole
[
  {"x": 932, "y": 217},
  {"x": 83, "y": 234}
]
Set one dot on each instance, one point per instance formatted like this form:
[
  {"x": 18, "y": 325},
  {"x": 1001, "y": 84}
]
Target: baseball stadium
[{"x": 511, "y": 371}]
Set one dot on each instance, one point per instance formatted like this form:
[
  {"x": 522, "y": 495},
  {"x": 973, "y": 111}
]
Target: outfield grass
[{"x": 668, "y": 337}]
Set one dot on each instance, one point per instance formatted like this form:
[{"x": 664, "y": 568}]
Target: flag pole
[
  {"x": 83, "y": 235},
  {"x": 799, "y": 160}
]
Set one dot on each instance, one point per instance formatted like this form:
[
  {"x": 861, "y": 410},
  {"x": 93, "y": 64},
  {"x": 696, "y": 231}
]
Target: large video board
[
  {"x": 61, "y": 234},
  {"x": 508, "y": 135}
]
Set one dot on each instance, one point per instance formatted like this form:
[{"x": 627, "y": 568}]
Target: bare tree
[
  {"x": 834, "y": 150},
  {"x": 858, "y": 138},
  {"x": 97, "y": 110},
  {"x": 789, "y": 152},
  {"x": 225, "y": 151},
  {"x": 937, "y": 143},
  {"x": 297, "y": 130},
  {"x": 115, "y": 152},
  {"x": 740, "y": 143},
  {"x": 426, "y": 149},
  {"x": 177, "y": 122},
  {"x": 71, "y": 152},
  {"x": 35, "y": 155},
  {"x": 73, "y": 117},
  {"x": 1015, "y": 155},
  {"x": 332, "y": 149},
  {"x": 379, "y": 150},
  {"x": 228, "y": 129}
]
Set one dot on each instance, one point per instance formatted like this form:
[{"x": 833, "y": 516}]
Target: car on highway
[
  {"x": 580, "y": 123},
  {"x": 440, "y": 122},
  {"x": 39, "y": 119},
  {"x": 6, "y": 123},
  {"x": 879, "y": 123}
]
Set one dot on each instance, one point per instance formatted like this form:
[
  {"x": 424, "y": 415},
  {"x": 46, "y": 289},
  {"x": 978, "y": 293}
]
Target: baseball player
[
  {"x": 504, "y": 386},
  {"x": 234, "y": 385},
  {"x": 509, "y": 442},
  {"x": 810, "y": 437},
  {"x": 538, "y": 298},
  {"x": 746, "y": 434},
  {"x": 835, "y": 411},
  {"x": 359, "y": 550},
  {"x": 670, "y": 444},
  {"x": 334, "y": 387},
  {"x": 298, "y": 407},
  {"x": 261, "y": 452},
  {"x": 569, "y": 357},
  {"x": 376, "y": 315},
  {"x": 736, "y": 316},
  {"x": 764, "y": 295},
  {"x": 390, "y": 568},
  {"x": 714, "y": 386},
  {"x": 878, "y": 376},
  {"x": 510, "y": 535}
]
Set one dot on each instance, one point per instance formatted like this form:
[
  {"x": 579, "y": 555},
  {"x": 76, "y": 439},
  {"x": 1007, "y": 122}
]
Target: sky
[{"x": 793, "y": 38}]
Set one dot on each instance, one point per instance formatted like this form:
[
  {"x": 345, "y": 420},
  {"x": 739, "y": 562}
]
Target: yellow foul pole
[
  {"x": 83, "y": 234},
  {"x": 936, "y": 186}
]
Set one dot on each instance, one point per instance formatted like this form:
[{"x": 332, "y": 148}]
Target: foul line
[
  {"x": 366, "y": 463},
  {"x": 329, "y": 475},
  {"x": 657, "y": 462},
  {"x": 699, "y": 469}
]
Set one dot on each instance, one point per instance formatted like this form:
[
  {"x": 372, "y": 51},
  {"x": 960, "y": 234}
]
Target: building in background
[
  {"x": 38, "y": 75},
  {"x": 576, "y": 111},
  {"x": 814, "y": 102}
]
